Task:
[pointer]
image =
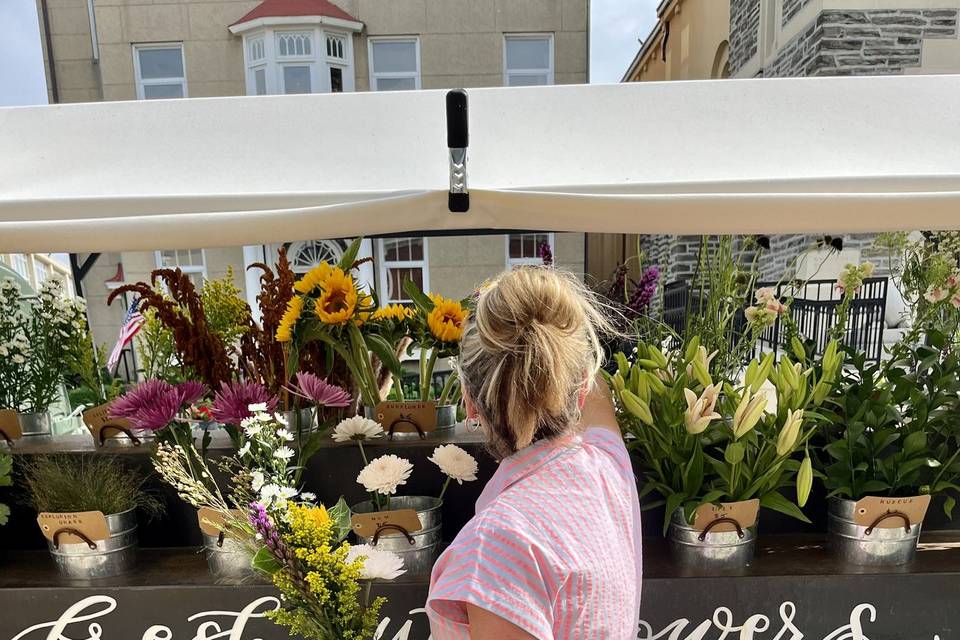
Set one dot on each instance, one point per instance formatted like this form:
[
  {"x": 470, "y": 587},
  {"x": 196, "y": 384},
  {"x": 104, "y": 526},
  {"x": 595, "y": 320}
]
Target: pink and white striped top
[{"x": 554, "y": 546}]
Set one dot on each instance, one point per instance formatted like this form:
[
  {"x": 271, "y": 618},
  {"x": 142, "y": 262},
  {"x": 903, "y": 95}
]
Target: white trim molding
[
  {"x": 548, "y": 71},
  {"x": 291, "y": 21},
  {"x": 171, "y": 81},
  {"x": 423, "y": 264}
]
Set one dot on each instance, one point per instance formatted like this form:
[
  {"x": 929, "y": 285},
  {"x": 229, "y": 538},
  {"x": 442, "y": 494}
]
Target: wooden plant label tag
[
  {"x": 404, "y": 417},
  {"x": 10, "y": 424},
  {"x": 97, "y": 420},
  {"x": 92, "y": 524},
  {"x": 870, "y": 509},
  {"x": 366, "y": 524},
  {"x": 212, "y": 521},
  {"x": 744, "y": 512}
]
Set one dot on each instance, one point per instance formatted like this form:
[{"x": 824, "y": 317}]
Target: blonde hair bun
[{"x": 527, "y": 352}]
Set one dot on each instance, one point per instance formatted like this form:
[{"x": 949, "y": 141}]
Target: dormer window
[{"x": 298, "y": 54}]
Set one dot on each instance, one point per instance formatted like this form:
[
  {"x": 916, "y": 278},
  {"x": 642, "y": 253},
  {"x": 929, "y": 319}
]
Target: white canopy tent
[{"x": 741, "y": 156}]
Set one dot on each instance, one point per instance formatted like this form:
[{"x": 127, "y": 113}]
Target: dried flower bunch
[{"x": 182, "y": 311}]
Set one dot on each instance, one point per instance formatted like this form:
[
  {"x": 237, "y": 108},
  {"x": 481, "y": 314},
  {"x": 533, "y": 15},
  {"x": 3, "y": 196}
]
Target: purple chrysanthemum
[
  {"x": 231, "y": 403},
  {"x": 152, "y": 404},
  {"x": 320, "y": 392},
  {"x": 190, "y": 391}
]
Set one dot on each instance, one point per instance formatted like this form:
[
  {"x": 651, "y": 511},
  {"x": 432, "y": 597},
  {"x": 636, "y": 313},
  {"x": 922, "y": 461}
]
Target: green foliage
[
  {"x": 158, "y": 351},
  {"x": 896, "y": 426},
  {"x": 61, "y": 483},
  {"x": 225, "y": 308}
]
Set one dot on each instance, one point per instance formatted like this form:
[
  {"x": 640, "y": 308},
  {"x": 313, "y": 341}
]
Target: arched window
[
  {"x": 304, "y": 256},
  {"x": 721, "y": 61}
]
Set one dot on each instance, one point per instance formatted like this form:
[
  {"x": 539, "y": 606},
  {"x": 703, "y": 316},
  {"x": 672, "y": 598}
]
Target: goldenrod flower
[
  {"x": 338, "y": 300},
  {"x": 313, "y": 278},
  {"x": 447, "y": 319},
  {"x": 395, "y": 312},
  {"x": 289, "y": 319}
]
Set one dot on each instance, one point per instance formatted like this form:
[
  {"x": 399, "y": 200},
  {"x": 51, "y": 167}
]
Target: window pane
[
  {"x": 336, "y": 80},
  {"x": 296, "y": 79},
  {"x": 416, "y": 248},
  {"x": 526, "y": 80},
  {"x": 160, "y": 91},
  {"x": 516, "y": 246},
  {"x": 160, "y": 63},
  {"x": 260, "y": 81},
  {"x": 396, "y": 84},
  {"x": 528, "y": 53},
  {"x": 394, "y": 57},
  {"x": 196, "y": 257},
  {"x": 396, "y": 278}
]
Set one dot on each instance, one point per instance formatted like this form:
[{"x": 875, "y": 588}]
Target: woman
[{"x": 553, "y": 551}]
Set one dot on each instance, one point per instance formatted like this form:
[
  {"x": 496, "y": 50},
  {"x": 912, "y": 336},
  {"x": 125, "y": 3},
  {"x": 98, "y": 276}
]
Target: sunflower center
[{"x": 336, "y": 301}]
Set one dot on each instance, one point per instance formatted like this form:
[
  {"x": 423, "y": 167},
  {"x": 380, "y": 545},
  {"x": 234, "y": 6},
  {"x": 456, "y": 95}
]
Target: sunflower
[
  {"x": 364, "y": 308},
  {"x": 395, "y": 312},
  {"x": 446, "y": 320},
  {"x": 338, "y": 298},
  {"x": 289, "y": 319},
  {"x": 313, "y": 278}
]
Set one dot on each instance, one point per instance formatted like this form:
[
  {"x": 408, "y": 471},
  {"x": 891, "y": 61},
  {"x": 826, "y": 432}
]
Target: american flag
[{"x": 131, "y": 325}]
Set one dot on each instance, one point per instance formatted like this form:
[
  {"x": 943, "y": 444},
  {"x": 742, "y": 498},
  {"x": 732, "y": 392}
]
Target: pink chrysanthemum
[
  {"x": 320, "y": 392},
  {"x": 231, "y": 404},
  {"x": 152, "y": 405}
]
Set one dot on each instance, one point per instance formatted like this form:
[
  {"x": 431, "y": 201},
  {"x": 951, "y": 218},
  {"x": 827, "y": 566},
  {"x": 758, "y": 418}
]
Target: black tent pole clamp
[{"x": 457, "y": 141}]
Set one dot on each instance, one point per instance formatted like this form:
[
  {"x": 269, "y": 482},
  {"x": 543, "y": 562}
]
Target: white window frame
[
  {"x": 385, "y": 265},
  {"x": 319, "y": 64},
  {"x": 374, "y": 75},
  {"x": 141, "y": 82},
  {"x": 521, "y": 72},
  {"x": 188, "y": 269},
  {"x": 21, "y": 264},
  {"x": 512, "y": 262}
]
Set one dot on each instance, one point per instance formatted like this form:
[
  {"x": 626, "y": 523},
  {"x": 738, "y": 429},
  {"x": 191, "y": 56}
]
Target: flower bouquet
[
  {"x": 408, "y": 525},
  {"x": 300, "y": 545},
  {"x": 158, "y": 409},
  {"x": 708, "y": 446},
  {"x": 893, "y": 442}
]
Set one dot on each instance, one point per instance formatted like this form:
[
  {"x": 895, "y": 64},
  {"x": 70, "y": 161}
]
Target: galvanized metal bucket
[
  {"x": 419, "y": 549},
  {"x": 709, "y": 549},
  {"x": 36, "y": 426},
  {"x": 446, "y": 419},
  {"x": 127, "y": 438},
  {"x": 302, "y": 420},
  {"x": 99, "y": 558},
  {"x": 228, "y": 560},
  {"x": 869, "y": 545}
]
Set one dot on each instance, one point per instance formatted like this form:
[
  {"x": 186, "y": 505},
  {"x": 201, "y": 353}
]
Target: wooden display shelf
[{"x": 793, "y": 583}]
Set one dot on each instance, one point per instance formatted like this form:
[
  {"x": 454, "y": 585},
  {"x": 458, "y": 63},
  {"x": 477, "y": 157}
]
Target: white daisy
[
  {"x": 357, "y": 428},
  {"x": 259, "y": 407},
  {"x": 285, "y": 435},
  {"x": 378, "y": 564},
  {"x": 385, "y": 474},
  {"x": 252, "y": 429},
  {"x": 306, "y": 496},
  {"x": 455, "y": 462},
  {"x": 284, "y": 453}
]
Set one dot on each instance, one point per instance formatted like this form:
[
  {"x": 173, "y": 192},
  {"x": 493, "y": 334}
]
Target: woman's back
[{"x": 554, "y": 548}]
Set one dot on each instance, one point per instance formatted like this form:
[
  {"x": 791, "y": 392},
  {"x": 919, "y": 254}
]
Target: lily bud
[
  {"x": 656, "y": 384},
  {"x": 700, "y": 410},
  {"x": 617, "y": 381},
  {"x": 764, "y": 368},
  {"x": 804, "y": 481},
  {"x": 639, "y": 384},
  {"x": 748, "y": 413},
  {"x": 790, "y": 432},
  {"x": 657, "y": 356},
  {"x": 637, "y": 407}
]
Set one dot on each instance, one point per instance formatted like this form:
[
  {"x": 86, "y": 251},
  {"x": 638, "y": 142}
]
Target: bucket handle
[
  {"x": 713, "y": 523},
  {"x": 406, "y": 418},
  {"x": 395, "y": 527},
  {"x": 4, "y": 435},
  {"x": 116, "y": 427},
  {"x": 73, "y": 532},
  {"x": 890, "y": 514}
]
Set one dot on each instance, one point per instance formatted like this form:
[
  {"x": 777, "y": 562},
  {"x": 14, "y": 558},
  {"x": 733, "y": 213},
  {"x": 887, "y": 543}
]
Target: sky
[{"x": 616, "y": 26}]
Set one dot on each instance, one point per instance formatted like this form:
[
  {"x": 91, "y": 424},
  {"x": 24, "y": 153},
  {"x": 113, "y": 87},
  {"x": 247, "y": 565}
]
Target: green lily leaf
[
  {"x": 775, "y": 501},
  {"x": 265, "y": 562}
]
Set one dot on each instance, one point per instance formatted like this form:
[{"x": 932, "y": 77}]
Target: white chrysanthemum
[
  {"x": 385, "y": 474},
  {"x": 357, "y": 428},
  {"x": 252, "y": 429},
  {"x": 257, "y": 480},
  {"x": 284, "y": 435},
  {"x": 455, "y": 462},
  {"x": 244, "y": 450},
  {"x": 378, "y": 564},
  {"x": 258, "y": 407},
  {"x": 306, "y": 496},
  {"x": 284, "y": 453}
]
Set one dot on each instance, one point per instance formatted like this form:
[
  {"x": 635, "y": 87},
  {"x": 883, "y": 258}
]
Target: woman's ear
[{"x": 469, "y": 406}]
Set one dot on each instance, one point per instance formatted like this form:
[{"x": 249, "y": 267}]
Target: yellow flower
[
  {"x": 338, "y": 300},
  {"x": 447, "y": 319},
  {"x": 313, "y": 278},
  {"x": 395, "y": 312},
  {"x": 289, "y": 319}
]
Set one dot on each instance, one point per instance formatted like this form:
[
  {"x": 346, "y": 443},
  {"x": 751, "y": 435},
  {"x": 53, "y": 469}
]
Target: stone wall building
[
  {"x": 784, "y": 38},
  {"x": 145, "y": 49}
]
